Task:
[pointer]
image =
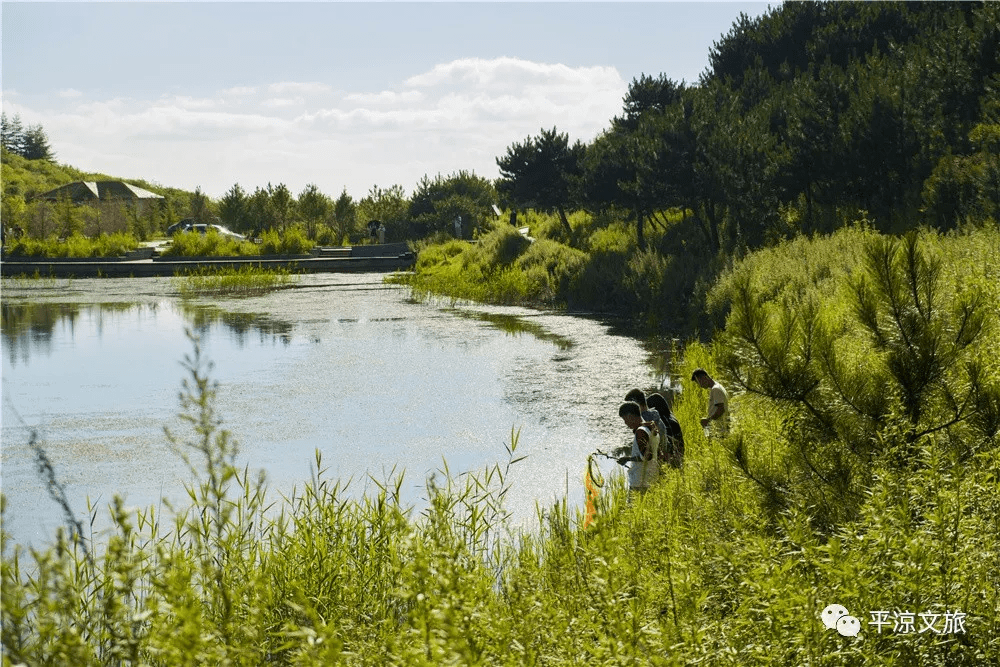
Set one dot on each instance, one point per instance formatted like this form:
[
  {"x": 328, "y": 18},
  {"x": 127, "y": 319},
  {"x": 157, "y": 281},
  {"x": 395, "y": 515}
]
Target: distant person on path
[
  {"x": 671, "y": 441},
  {"x": 458, "y": 226},
  {"x": 381, "y": 232},
  {"x": 644, "y": 468},
  {"x": 717, "y": 419},
  {"x": 373, "y": 230}
]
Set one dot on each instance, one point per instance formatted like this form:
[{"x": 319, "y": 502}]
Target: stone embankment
[{"x": 145, "y": 262}]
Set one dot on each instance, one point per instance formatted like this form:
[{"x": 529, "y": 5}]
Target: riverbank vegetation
[
  {"x": 292, "y": 241},
  {"x": 229, "y": 281},
  {"x": 819, "y": 216},
  {"x": 76, "y": 245},
  {"x": 807, "y": 121},
  {"x": 861, "y": 470}
]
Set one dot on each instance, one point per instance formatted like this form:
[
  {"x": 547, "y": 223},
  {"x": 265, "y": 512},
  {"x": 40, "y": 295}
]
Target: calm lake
[{"x": 339, "y": 364}]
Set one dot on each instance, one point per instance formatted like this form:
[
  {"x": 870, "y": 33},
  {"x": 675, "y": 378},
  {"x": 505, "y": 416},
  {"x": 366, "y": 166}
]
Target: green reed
[
  {"x": 230, "y": 281},
  {"x": 75, "y": 245},
  {"x": 729, "y": 560}
]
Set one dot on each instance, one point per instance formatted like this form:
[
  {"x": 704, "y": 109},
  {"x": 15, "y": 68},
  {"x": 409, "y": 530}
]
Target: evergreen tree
[
  {"x": 281, "y": 205},
  {"x": 258, "y": 210},
  {"x": 12, "y": 134},
  {"x": 542, "y": 173},
  {"x": 36, "y": 145},
  {"x": 233, "y": 208},
  {"x": 903, "y": 365},
  {"x": 387, "y": 205},
  {"x": 314, "y": 207},
  {"x": 437, "y": 202},
  {"x": 345, "y": 215},
  {"x": 200, "y": 207}
]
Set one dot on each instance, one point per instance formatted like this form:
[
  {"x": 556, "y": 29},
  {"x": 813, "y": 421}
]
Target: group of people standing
[{"x": 657, "y": 438}]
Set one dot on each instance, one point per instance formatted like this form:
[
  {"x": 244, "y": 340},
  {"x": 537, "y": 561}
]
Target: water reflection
[
  {"x": 371, "y": 379},
  {"x": 29, "y": 328},
  {"x": 240, "y": 326},
  {"x": 516, "y": 325}
]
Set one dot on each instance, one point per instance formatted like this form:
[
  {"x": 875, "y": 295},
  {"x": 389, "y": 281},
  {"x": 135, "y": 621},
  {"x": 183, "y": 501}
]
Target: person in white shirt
[
  {"x": 645, "y": 466},
  {"x": 718, "y": 402}
]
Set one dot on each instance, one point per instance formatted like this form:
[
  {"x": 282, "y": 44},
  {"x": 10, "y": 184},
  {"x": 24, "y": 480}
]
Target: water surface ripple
[{"x": 340, "y": 363}]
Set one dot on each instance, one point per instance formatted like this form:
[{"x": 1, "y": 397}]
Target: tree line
[
  {"x": 809, "y": 116},
  {"x": 432, "y": 208},
  {"x": 30, "y": 142}
]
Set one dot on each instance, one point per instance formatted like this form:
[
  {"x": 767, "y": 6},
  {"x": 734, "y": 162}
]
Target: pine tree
[
  {"x": 12, "y": 134},
  {"x": 36, "y": 145},
  {"x": 901, "y": 372}
]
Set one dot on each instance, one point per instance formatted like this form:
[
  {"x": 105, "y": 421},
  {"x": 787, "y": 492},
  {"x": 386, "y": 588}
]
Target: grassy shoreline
[{"x": 728, "y": 561}]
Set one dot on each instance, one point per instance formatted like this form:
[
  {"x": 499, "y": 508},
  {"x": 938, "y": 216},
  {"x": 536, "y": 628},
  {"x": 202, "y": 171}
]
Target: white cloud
[
  {"x": 384, "y": 98},
  {"x": 458, "y": 115},
  {"x": 240, "y": 91},
  {"x": 282, "y": 102},
  {"x": 306, "y": 88},
  {"x": 69, "y": 93}
]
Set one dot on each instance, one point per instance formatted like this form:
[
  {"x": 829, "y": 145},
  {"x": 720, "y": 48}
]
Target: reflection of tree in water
[
  {"x": 28, "y": 327},
  {"x": 662, "y": 349},
  {"x": 515, "y": 326},
  {"x": 240, "y": 325}
]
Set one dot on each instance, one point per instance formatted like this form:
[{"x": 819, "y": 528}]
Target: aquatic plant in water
[{"x": 229, "y": 281}]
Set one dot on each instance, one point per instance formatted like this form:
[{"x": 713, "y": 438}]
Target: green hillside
[
  {"x": 811, "y": 118},
  {"x": 817, "y": 219},
  {"x": 23, "y": 179}
]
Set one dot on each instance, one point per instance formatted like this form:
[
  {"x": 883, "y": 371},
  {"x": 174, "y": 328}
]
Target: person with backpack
[
  {"x": 648, "y": 414},
  {"x": 645, "y": 465},
  {"x": 672, "y": 439}
]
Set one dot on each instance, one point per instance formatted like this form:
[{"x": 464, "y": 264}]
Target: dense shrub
[
  {"x": 210, "y": 244},
  {"x": 76, "y": 245},
  {"x": 292, "y": 242},
  {"x": 698, "y": 569}
]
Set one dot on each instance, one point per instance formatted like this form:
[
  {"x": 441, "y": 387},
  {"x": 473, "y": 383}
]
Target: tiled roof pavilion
[{"x": 82, "y": 191}]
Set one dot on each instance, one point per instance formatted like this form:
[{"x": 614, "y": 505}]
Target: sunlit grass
[
  {"x": 292, "y": 241},
  {"x": 76, "y": 245},
  {"x": 230, "y": 281},
  {"x": 728, "y": 561}
]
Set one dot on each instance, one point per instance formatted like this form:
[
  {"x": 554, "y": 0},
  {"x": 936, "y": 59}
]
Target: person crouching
[{"x": 644, "y": 467}]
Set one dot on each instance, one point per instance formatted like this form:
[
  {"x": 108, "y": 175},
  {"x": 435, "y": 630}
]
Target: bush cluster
[
  {"x": 75, "y": 245},
  {"x": 728, "y": 561}
]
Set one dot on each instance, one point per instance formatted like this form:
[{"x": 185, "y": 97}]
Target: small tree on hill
[
  {"x": 541, "y": 173},
  {"x": 36, "y": 145}
]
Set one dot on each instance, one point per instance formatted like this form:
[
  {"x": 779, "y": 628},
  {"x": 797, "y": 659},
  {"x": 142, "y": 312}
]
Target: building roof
[{"x": 80, "y": 191}]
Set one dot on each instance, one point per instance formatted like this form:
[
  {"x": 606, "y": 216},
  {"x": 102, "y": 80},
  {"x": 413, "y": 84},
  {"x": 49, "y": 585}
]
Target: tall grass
[
  {"x": 728, "y": 561},
  {"x": 210, "y": 244},
  {"x": 503, "y": 267},
  {"x": 231, "y": 281},
  {"x": 292, "y": 241},
  {"x": 75, "y": 245}
]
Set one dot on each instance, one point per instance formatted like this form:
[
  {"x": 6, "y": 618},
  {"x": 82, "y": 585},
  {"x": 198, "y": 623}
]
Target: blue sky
[{"x": 342, "y": 95}]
